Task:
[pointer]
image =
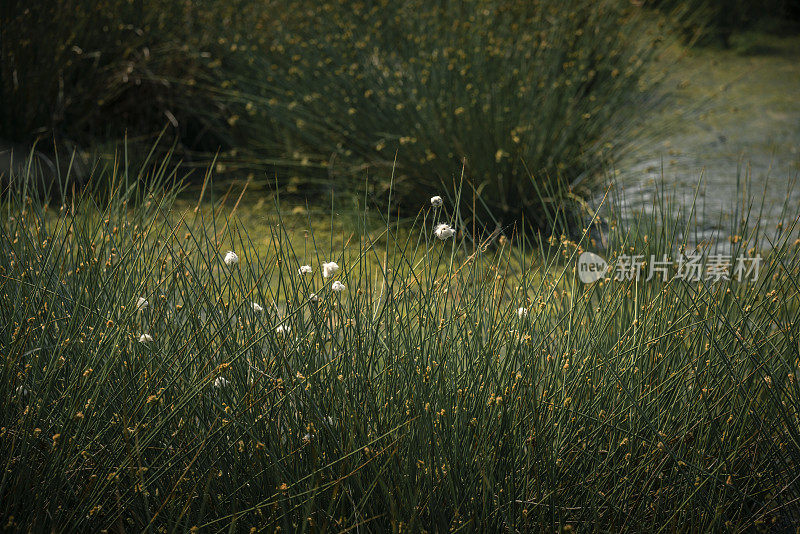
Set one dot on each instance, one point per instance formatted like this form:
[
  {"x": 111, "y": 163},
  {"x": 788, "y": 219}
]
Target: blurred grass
[
  {"x": 528, "y": 98},
  {"x": 717, "y": 22},
  {"x": 88, "y": 72}
]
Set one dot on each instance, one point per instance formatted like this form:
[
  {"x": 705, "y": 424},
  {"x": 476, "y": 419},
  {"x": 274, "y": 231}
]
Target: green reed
[
  {"x": 528, "y": 96},
  {"x": 470, "y": 383},
  {"x": 532, "y": 97}
]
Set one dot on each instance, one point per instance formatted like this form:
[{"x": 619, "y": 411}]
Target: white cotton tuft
[
  {"x": 338, "y": 286},
  {"x": 444, "y": 231},
  {"x": 328, "y": 269},
  {"x": 145, "y": 338},
  {"x": 231, "y": 258},
  {"x": 220, "y": 382}
]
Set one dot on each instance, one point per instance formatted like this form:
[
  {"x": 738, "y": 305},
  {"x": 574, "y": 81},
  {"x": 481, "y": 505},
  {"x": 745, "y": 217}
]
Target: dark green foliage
[
  {"x": 88, "y": 72},
  {"x": 716, "y": 21},
  {"x": 529, "y": 97}
]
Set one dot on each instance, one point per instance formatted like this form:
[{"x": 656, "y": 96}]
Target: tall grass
[
  {"x": 420, "y": 397},
  {"x": 531, "y": 96},
  {"x": 88, "y": 73}
]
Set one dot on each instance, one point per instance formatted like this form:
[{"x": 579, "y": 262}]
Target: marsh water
[{"x": 729, "y": 130}]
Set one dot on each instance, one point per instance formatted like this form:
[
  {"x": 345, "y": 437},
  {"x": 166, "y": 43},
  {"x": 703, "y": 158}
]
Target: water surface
[{"x": 732, "y": 117}]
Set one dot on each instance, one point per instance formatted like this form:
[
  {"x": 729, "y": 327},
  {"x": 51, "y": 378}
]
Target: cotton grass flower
[
  {"x": 220, "y": 382},
  {"x": 313, "y": 297},
  {"x": 283, "y": 329},
  {"x": 444, "y": 231},
  {"x": 231, "y": 258},
  {"x": 142, "y": 303},
  {"x": 522, "y": 312},
  {"x": 305, "y": 269},
  {"x": 436, "y": 201},
  {"x": 338, "y": 286},
  {"x": 145, "y": 338},
  {"x": 328, "y": 269},
  {"x": 256, "y": 307}
]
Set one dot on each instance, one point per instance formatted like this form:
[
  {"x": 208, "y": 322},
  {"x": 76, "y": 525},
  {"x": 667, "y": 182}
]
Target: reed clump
[{"x": 151, "y": 380}]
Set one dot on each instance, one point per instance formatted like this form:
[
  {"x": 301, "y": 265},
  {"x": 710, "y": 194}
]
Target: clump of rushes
[
  {"x": 89, "y": 72},
  {"x": 421, "y": 396},
  {"x": 532, "y": 96}
]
